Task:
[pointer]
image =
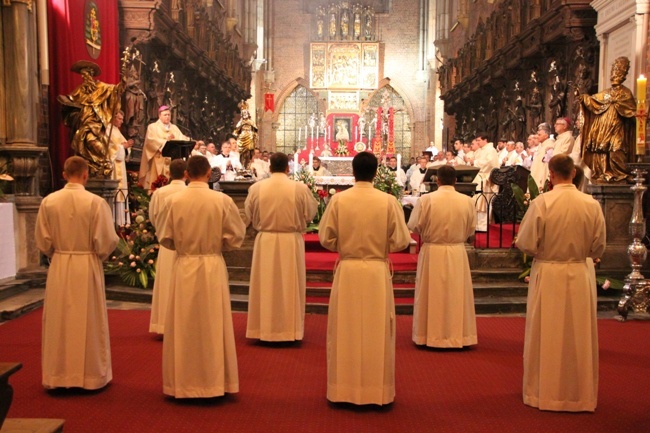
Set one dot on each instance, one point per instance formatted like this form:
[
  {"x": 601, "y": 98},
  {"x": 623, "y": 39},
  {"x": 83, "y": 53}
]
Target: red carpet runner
[{"x": 283, "y": 388}]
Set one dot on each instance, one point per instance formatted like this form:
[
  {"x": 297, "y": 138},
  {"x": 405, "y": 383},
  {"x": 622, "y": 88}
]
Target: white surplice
[
  {"x": 363, "y": 225},
  {"x": 279, "y": 209},
  {"x": 117, "y": 153},
  {"x": 443, "y": 311},
  {"x": 199, "y": 357},
  {"x": 539, "y": 168},
  {"x": 561, "y": 229},
  {"x": 564, "y": 143},
  {"x": 166, "y": 258},
  {"x": 152, "y": 163},
  {"x": 75, "y": 228}
]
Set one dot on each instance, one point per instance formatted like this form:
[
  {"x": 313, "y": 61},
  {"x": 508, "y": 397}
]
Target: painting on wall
[
  {"x": 343, "y": 101},
  {"x": 342, "y": 128},
  {"x": 344, "y": 65}
]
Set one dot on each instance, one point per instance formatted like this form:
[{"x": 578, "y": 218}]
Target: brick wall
[{"x": 398, "y": 31}]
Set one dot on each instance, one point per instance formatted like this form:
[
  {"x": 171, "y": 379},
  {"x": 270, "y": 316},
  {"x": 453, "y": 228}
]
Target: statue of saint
[
  {"x": 608, "y": 134},
  {"x": 88, "y": 111},
  {"x": 246, "y": 133}
]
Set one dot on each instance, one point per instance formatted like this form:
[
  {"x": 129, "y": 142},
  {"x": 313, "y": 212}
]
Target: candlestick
[
  {"x": 399, "y": 160},
  {"x": 295, "y": 162},
  {"x": 311, "y": 161}
]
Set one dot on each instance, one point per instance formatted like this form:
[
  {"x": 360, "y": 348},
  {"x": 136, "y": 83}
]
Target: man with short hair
[
  {"x": 510, "y": 157},
  {"x": 533, "y": 147},
  {"x": 400, "y": 176},
  {"x": 152, "y": 163},
  {"x": 199, "y": 358},
  {"x": 75, "y": 229},
  {"x": 227, "y": 160},
  {"x": 502, "y": 149},
  {"x": 539, "y": 168},
  {"x": 564, "y": 139},
  {"x": 361, "y": 316},
  {"x": 415, "y": 182},
  {"x": 279, "y": 209},
  {"x": 166, "y": 257},
  {"x": 259, "y": 167},
  {"x": 561, "y": 229},
  {"x": 117, "y": 150},
  {"x": 318, "y": 169},
  {"x": 486, "y": 159},
  {"x": 443, "y": 311},
  {"x": 211, "y": 154}
]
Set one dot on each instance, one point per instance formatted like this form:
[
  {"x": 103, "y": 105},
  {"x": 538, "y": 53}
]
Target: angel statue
[
  {"x": 246, "y": 133},
  {"x": 88, "y": 111}
]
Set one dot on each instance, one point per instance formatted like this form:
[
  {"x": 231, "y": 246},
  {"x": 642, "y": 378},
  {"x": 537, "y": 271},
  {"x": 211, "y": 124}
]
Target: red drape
[{"x": 67, "y": 22}]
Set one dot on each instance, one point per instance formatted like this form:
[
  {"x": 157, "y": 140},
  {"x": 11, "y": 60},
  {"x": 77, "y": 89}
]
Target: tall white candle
[
  {"x": 399, "y": 160},
  {"x": 299, "y": 135},
  {"x": 311, "y": 161},
  {"x": 296, "y": 167}
]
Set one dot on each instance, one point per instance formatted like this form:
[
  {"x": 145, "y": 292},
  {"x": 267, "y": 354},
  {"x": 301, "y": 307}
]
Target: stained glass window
[
  {"x": 387, "y": 97},
  {"x": 293, "y": 118}
]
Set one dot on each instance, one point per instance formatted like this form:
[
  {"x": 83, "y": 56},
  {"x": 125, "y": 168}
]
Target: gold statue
[
  {"x": 88, "y": 111},
  {"x": 608, "y": 134},
  {"x": 246, "y": 133}
]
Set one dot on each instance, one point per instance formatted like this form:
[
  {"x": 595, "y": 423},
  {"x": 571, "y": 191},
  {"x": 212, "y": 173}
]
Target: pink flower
[
  {"x": 527, "y": 279},
  {"x": 607, "y": 284}
]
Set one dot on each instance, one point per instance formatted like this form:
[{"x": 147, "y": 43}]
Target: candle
[
  {"x": 399, "y": 160},
  {"x": 311, "y": 161},
  {"x": 296, "y": 167},
  {"x": 299, "y": 134},
  {"x": 641, "y": 83}
]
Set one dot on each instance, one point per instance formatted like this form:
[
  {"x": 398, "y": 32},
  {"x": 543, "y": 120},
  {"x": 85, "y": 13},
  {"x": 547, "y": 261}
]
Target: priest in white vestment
[
  {"x": 443, "y": 311},
  {"x": 361, "y": 315},
  {"x": 75, "y": 229},
  {"x": 199, "y": 358},
  {"x": 152, "y": 163},
  {"x": 259, "y": 167},
  {"x": 117, "y": 148},
  {"x": 561, "y": 230},
  {"x": 279, "y": 210},
  {"x": 539, "y": 168},
  {"x": 486, "y": 159},
  {"x": 564, "y": 140},
  {"x": 166, "y": 257}
]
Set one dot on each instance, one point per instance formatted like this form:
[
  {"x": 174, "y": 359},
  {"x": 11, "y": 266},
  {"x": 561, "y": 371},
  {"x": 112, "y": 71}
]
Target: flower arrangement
[
  {"x": 159, "y": 182},
  {"x": 134, "y": 259},
  {"x": 386, "y": 181},
  {"x": 342, "y": 149}
]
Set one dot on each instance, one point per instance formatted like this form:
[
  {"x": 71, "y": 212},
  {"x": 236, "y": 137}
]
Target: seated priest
[{"x": 318, "y": 169}]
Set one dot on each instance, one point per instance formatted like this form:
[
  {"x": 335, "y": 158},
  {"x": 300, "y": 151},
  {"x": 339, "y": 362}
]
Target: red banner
[
  {"x": 390, "y": 146},
  {"x": 78, "y": 33},
  {"x": 269, "y": 102}
]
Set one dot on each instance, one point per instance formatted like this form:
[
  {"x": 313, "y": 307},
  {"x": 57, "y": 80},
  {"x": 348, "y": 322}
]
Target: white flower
[
  {"x": 138, "y": 270},
  {"x": 332, "y": 191},
  {"x": 133, "y": 264},
  {"x": 139, "y": 219},
  {"x": 144, "y": 231},
  {"x": 150, "y": 262}
]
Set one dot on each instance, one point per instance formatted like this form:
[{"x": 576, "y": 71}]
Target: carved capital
[{"x": 8, "y": 3}]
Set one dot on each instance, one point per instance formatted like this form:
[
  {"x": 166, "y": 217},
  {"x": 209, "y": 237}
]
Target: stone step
[
  {"x": 21, "y": 303},
  {"x": 10, "y": 287}
]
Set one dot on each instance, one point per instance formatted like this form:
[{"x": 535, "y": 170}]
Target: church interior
[{"x": 323, "y": 81}]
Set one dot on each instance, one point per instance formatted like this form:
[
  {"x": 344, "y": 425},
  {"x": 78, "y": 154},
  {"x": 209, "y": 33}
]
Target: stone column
[{"x": 20, "y": 115}]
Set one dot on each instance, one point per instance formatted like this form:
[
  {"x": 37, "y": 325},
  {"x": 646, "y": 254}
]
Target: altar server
[
  {"x": 279, "y": 209},
  {"x": 166, "y": 257},
  {"x": 361, "y": 317},
  {"x": 199, "y": 358},
  {"x": 443, "y": 312},
  {"x": 75, "y": 228},
  {"x": 561, "y": 229}
]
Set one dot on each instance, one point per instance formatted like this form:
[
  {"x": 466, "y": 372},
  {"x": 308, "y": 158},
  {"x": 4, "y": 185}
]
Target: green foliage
[
  {"x": 386, "y": 181},
  {"x": 134, "y": 259}
]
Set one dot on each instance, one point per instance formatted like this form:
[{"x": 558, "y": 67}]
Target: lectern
[{"x": 175, "y": 149}]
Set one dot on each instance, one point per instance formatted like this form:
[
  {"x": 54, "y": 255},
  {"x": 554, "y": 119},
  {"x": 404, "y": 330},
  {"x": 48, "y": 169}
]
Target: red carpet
[
  {"x": 283, "y": 388},
  {"x": 497, "y": 236},
  {"x": 317, "y": 258}
]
